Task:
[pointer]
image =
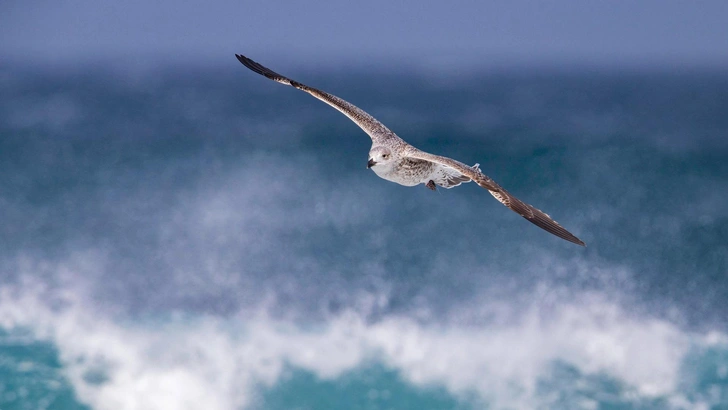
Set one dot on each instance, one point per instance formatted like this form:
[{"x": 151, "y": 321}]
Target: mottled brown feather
[
  {"x": 531, "y": 213},
  {"x": 375, "y": 129}
]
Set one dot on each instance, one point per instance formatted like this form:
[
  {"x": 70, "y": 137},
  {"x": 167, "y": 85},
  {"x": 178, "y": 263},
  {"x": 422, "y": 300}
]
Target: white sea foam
[{"x": 221, "y": 363}]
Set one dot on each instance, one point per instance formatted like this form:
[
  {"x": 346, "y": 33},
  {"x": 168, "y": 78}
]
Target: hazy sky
[{"x": 471, "y": 31}]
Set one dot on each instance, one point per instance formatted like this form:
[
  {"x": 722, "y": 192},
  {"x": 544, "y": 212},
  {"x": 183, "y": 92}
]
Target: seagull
[{"x": 395, "y": 160}]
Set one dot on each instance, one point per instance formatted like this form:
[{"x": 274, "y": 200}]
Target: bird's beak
[{"x": 371, "y": 163}]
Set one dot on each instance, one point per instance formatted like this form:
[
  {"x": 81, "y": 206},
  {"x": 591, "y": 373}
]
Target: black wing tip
[
  {"x": 576, "y": 240},
  {"x": 252, "y": 65},
  {"x": 552, "y": 227},
  {"x": 543, "y": 221},
  {"x": 244, "y": 60},
  {"x": 259, "y": 68},
  {"x": 564, "y": 234}
]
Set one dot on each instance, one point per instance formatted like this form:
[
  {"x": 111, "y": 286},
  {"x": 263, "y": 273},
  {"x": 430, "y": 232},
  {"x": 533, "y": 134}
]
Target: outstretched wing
[
  {"x": 376, "y": 130},
  {"x": 532, "y": 214}
]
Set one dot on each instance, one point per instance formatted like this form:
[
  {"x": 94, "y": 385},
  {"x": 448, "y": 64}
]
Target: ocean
[{"x": 203, "y": 238}]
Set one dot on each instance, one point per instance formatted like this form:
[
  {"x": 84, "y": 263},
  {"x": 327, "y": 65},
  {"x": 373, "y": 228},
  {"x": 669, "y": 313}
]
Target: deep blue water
[{"x": 211, "y": 239}]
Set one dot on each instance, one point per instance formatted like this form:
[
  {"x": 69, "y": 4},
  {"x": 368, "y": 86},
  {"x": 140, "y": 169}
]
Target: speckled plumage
[{"x": 395, "y": 160}]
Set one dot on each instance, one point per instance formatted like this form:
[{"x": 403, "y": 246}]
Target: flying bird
[{"x": 395, "y": 160}]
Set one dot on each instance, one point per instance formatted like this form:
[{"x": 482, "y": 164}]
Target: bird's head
[{"x": 379, "y": 155}]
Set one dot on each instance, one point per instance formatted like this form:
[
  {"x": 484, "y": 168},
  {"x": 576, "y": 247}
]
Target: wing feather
[
  {"x": 531, "y": 213},
  {"x": 448, "y": 177},
  {"x": 375, "y": 129}
]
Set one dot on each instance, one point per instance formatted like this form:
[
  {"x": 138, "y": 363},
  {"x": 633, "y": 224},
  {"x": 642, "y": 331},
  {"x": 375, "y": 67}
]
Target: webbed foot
[{"x": 431, "y": 185}]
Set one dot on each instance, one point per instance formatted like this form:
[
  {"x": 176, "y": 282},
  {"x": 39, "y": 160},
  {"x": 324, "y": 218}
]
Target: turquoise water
[{"x": 210, "y": 239}]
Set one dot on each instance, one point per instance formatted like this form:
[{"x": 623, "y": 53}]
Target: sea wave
[{"x": 190, "y": 361}]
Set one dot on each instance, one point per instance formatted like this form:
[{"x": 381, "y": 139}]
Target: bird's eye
[{"x": 385, "y": 156}]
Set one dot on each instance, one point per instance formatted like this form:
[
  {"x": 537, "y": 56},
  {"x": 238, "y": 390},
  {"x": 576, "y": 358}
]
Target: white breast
[{"x": 406, "y": 172}]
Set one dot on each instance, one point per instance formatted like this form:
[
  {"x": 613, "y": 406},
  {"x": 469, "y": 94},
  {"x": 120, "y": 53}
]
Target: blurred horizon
[{"x": 432, "y": 37}]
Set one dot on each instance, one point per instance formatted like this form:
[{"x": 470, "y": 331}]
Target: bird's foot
[{"x": 431, "y": 185}]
